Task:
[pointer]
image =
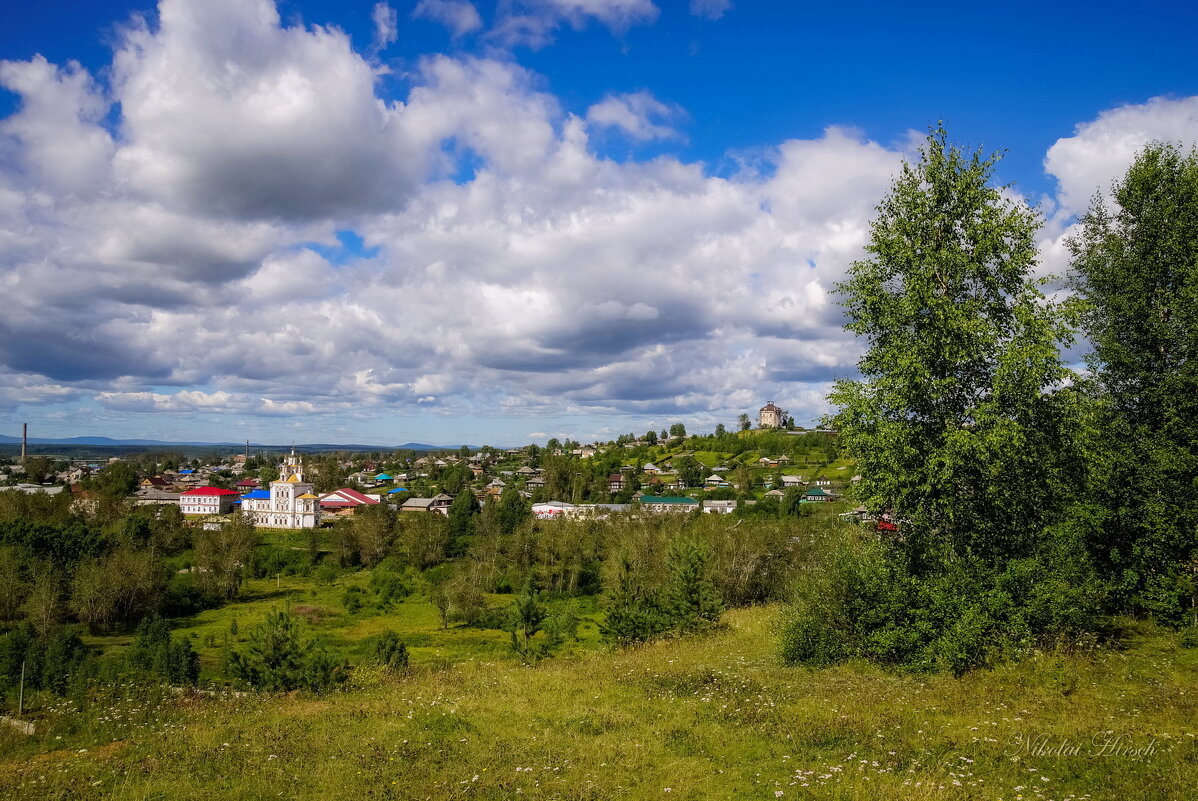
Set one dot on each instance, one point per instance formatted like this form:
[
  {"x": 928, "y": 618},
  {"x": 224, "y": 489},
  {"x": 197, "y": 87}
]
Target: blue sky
[{"x": 491, "y": 222}]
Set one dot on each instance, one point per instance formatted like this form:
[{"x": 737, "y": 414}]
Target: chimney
[{"x": 24, "y": 440}]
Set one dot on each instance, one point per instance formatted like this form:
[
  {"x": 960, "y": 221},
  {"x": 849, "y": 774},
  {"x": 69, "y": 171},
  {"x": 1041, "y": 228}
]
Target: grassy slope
[{"x": 711, "y": 717}]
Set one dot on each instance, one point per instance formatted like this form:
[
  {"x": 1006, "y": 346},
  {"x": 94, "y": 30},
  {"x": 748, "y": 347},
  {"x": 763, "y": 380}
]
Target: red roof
[
  {"x": 209, "y": 491},
  {"x": 346, "y": 497}
]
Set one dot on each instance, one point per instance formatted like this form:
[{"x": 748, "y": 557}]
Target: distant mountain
[{"x": 108, "y": 442}]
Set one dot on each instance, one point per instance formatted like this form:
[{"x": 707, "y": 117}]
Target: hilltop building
[
  {"x": 289, "y": 503},
  {"x": 771, "y": 416}
]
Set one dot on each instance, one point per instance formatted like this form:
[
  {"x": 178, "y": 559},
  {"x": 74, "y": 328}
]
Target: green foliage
[
  {"x": 390, "y": 587},
  {"x": 278, "y": 658},
  {"x": 955, "y": 424},
  {"x": 513, "y": 509},
  {"x": 690, "y": 600},
  {"x": 54, "y": 659},
  {"x": 1135, "y": 271},
  {"x": 154, "y": 653},
  {"x": 864, "y": 602},
  {"x": 374, "y": 530},
  {"x": 462, "y": 513},
  {"x": 117, "y": 480},
  {"x": 689, "y": 471},
  {"x": 962, "y": 431},
  {"x": 223, "y": 556},
  {"x": 524, "y": 622},
  {"x": 390, "y": 652},
  {"x": 632, "y": 614}
]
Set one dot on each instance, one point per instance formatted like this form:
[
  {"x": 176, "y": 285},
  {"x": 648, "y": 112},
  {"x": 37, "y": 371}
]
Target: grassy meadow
[{"x": 713, "y": 716}]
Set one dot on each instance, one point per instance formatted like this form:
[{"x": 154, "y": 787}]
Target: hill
[{"x": 108, "y": 442}]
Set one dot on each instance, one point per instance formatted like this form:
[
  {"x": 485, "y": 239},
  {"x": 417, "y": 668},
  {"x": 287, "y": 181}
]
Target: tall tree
[
  {"x": 963, "y": 424},
  {"x": 954, "y": 421},
  {"x": 461, "y": 521},
  {"x": 223, "y": 555},
  {"x": 1135, "y": 269}
]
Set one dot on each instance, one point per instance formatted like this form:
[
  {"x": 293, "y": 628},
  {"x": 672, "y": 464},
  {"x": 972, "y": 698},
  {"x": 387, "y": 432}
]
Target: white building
[
  {"x": 290, "y": 502},
  {"x": 207, "y": 501},
  {"x": 771, "y": 416}
]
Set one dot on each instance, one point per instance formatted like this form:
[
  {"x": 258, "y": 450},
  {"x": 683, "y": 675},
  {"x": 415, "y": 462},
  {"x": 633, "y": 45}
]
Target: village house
[
  {"x": 817, "y": 495},
  {"x": 149, "y": 496},
  {"x": 247, "y": 485},
  {"x": 715, "y": 481},
  {"x": 719, "y": 507},
  {"x": 207, "y": 501},
  {"x": 615, "y": 483},
  {"x": 345, "y": 501},
  {"x": 438, "y": 503}
]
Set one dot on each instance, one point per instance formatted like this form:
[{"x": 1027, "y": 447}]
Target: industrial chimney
[{"x": 24, "y": 441}]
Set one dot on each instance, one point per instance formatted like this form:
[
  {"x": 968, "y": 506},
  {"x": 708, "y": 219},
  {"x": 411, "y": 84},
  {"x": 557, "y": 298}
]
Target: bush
[
  {"x": 352, "y": 599},
  {"x": 1188, "y": 637},
  {"x": 390, "y": 652},
  {"x": 54, "y": 660},
  {"x": 865, "y": 602},
  {"x": 278, "y": 659},
  {"x": 156, "y": 654},
  {"x": 390, "y": 587}
]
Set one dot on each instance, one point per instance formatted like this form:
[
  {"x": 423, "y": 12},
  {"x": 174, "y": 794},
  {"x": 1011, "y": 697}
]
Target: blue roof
[
  {"x": 383, "y": 477},
  {"x": 397, "y": 489},
  {"x": 186, "y": 472},
  {"x": 257, "y": 495}
]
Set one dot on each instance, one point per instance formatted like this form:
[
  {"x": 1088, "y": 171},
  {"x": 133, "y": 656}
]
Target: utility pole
[{"x": 21, "y": 694}]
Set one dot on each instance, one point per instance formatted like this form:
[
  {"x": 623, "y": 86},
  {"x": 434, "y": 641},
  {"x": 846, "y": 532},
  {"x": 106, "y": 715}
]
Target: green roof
[
  {"x": 665, "y": 499},
  {"x": 815, "y": 491}
]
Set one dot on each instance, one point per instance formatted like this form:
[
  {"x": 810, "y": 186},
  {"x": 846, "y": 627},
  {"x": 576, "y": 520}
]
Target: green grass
[
  {"x": 712, "y": 717},
  {"x": 322, "y": 608}
]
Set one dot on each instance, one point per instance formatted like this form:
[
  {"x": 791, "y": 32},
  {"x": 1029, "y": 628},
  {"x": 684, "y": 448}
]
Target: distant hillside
[{"x": 108, "y": 442}]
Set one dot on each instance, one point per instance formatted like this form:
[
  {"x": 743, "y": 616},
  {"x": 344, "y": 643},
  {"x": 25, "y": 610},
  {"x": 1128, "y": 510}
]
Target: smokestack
[{"x": 24, "y": 441}]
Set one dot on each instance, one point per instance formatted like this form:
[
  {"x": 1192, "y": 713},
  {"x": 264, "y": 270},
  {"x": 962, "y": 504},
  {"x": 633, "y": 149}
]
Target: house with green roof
[{"x": 818, "y": 495}]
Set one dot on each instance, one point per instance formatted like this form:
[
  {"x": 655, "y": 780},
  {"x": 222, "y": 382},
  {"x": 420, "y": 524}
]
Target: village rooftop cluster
[{"x": 676, "y": 479}]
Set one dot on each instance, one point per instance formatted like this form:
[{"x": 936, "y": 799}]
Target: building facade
[
  {"x": 207, "y": 501},
  {"x": 771, "y": 416},
  {"x": 290, "y": 502}
]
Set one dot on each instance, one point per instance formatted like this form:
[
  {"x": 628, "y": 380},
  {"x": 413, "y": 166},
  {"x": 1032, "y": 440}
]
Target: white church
[{"x": 290, "y": 502}]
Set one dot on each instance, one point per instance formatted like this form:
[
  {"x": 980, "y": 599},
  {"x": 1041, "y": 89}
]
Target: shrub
[
  {"x": 864, "y": 601},
  {"x": 278, "y": 659},
  {"x": 690, "y": 600},
  {"x": 390, "y": 652},
  {"x": 156, "y": 654}
]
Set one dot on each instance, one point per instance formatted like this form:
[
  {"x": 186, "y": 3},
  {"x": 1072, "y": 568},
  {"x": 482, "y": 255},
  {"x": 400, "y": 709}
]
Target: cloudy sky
[{"x": 448, "y": 222}]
